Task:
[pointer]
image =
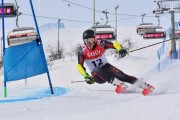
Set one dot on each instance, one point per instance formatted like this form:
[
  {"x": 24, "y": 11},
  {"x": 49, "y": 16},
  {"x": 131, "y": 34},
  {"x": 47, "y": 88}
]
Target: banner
[{"x": 23, "y": 61}]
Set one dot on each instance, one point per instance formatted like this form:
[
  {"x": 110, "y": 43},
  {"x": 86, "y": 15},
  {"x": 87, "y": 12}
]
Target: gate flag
[{"x": 23, "y": 61}]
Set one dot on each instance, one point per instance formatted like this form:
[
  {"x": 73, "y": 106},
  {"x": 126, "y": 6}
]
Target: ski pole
[
  {"x": 76, "y": 81},
  {"x": 151, "y": 45}
]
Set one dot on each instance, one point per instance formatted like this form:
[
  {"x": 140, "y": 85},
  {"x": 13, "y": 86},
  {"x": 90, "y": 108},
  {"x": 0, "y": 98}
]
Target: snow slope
[{"x": 81, "y": 101}]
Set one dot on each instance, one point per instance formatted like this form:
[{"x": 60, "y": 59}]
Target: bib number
[{"x": 97, "y": 63}]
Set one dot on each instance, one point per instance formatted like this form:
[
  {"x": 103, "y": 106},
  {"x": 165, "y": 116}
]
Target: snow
[{"x": 80, "y": 101}]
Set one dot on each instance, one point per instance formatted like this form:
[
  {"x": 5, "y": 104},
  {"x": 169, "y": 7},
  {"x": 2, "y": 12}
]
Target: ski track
[
  {"x": 96, "y": 101},
  {"x": 93, "y": 104}
]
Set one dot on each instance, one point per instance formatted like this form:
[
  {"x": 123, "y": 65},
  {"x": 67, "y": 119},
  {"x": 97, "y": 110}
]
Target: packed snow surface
[{"x": 31, "y": 100}]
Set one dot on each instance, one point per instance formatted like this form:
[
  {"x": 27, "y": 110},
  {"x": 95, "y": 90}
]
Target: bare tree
[
  {"x": 54, "y": 54},
  {"x": 74, "y": 50},
  {"x": 126, "y": 44}
]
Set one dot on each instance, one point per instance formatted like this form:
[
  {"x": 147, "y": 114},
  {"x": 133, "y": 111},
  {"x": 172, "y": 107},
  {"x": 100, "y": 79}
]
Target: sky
[
  {"x": 80, "y": 101},
  {"x": 81, "y": 10}
]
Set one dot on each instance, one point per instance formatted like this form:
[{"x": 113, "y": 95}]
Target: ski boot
[
  {"x": 147, "y": 90},
  {"x": 121, "y": 88}
]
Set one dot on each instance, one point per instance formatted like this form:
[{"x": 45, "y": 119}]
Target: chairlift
[
  {"x": 9, "y": 10},
  {"x": 151, "y": 31},
  {"x": 21, "y": 35},
  {"x": 158, "y": 33},
  {"x": 105, "y": 32},
  {"x": 177, "y": 34},
  {"x": 145, "y": 27}
]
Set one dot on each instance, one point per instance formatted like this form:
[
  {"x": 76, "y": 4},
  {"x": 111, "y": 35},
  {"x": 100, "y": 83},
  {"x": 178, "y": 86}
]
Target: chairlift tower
[{"x": 169, "y": 6}]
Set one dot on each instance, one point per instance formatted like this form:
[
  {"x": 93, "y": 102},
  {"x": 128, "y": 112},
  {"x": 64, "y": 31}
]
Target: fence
[{"x": 48, "y": 26}]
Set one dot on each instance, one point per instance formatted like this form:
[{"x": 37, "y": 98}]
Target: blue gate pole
[
  {"x": 3, "y": 40},
  {"x": 39, "y": 37}
]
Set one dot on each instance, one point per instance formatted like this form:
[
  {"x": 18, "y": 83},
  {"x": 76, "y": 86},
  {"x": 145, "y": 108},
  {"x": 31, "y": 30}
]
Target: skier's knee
[
  {"x": 98, "y": 80},
  {"x": 101, "y": 76}
]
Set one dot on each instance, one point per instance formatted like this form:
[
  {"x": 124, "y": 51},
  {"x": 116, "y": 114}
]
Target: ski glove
[
  {"x": 122, "y": 52},
  {"x": 89, "y": 79}
]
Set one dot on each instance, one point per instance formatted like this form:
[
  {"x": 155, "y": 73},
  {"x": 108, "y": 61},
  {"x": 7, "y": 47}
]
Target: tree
[{"x": 54, "y": 54}]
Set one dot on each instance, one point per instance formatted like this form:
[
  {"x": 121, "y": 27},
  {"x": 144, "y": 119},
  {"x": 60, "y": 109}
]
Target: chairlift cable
[
  {"x": 134, "y": 16},
  {"x": 58, "y": 18},
  {"x": 125, "y": 19},
  {"x": 74, "y": 20},
  {"x": 81, "y": 5},
  {"x": 100, "y": 11}
]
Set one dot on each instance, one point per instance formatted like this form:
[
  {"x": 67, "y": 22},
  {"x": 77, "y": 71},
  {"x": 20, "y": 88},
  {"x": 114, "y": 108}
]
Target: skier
[{"x": 93, "y": 54}]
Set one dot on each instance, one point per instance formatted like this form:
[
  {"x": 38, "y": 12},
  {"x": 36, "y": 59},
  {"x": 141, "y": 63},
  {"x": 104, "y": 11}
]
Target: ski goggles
[{"x": 90, "y": 40}]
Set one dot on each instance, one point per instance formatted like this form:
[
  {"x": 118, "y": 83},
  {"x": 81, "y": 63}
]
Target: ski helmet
[{"x": 88, "y": 34}]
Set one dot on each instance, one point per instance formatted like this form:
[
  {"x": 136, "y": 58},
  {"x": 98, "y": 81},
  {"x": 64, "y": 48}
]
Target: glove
[
  {"x": 123, "y": 52},
  {"x": 89, "y": 79}
]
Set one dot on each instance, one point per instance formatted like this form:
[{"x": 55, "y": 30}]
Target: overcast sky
[{"x": 81, "y": 10}]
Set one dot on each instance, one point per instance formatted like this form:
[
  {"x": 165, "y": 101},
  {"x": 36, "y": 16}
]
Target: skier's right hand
[
  {"x": 122, "y": 52},
  {"x": 89, "y": 79}
]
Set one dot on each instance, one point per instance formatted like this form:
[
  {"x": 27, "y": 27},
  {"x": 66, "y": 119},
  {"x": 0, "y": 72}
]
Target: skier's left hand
[
  {"x": 123, "y": 52},
  {"x": 89, "y": 79}
]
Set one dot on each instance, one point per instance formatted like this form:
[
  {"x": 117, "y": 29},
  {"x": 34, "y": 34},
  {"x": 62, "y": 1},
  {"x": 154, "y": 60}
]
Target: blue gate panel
[{"x": 23, "y": 61}]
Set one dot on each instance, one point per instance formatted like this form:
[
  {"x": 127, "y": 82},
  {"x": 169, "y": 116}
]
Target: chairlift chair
[
  {"x": 9, "y": 10},
  {"x": 150, "y": 31},
  {"x": 144, "y": 28},
  {"x": 105, "y": 32},
  {"x": 157, "y": 33},
  {"x": 154, "y": 32},
  {"x": 177, "y": 34},
  {"x": 21, "y": 35}
]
